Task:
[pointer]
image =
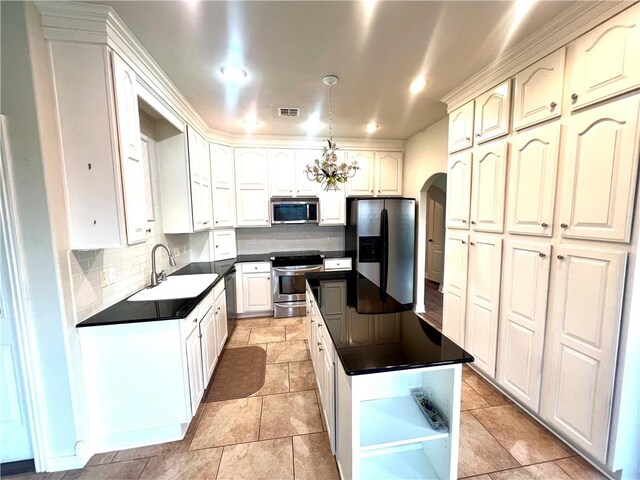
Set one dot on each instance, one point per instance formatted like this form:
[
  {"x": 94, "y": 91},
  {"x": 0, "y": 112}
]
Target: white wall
[{"x": 425, "y": 155}]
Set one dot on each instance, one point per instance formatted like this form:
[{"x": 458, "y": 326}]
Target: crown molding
[
  {"x": 563, "y": 29},
  {"x": 98, "y": 24}
]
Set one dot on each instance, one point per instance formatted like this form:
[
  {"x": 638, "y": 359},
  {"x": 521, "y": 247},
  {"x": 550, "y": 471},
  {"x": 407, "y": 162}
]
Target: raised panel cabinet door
[
  {"x": 332, "y": 207},
  {"x": 328, "y": 399},
  {"x": 194, "y": 369},
  {"x": 481, "y": 330},
  {"x": 600, "y": 168},
  {"x": 459, "y": 190},
  {"x": 454, "y": 305},
  {"x": 537, "y": 91},
  {"x": 253, "y": 207},
  {"x": 222, "y": 331},
  {"x": 532, "y": 180},
  {"x": 222, "y": 171},
  {"x": 257, "y": 292},
  {"x": 523, "y": 315},
  {"x": 606, "y": 61},
  {"x": 388, "y": 174},
  {"x": 304, "y": 186},
  {"x": 387, "y": 328},
  {"x": 488, "y": 189},
  {"x": 208, "y": 345},
  {"x": 582, "y": 345},
  {"x": 131, "y": 162},
  {"x": 251, "y": 168},
  {"x": 361, "y": 184},
  {"x": 492, "y": 111},
  {"x": 224, "y": 207},
  {"x": 461, "y": 128},
  {"x": 282, "y": 172},
  {"x": 224, "y": 244}
]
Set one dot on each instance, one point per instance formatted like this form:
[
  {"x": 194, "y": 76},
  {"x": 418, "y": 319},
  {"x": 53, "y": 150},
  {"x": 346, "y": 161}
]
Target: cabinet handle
[
  {"x": 430, "y": 240},
  {"x": 574, "y": 97},
  {"x": 477, "y": 135},
  {"x": 471, "y": 243},
  {"x": 464, "y": 221},
  {"x": 216, "y": 221},
  {"x": 541, "y": 255},
  {"x": 320, "y": 349},
  {"x": 563, "y": 225},
  {"x": 206, "y": 223},
  {"x": 553, "y": 105},
  {"x": 473, "y": 222},
  {"x": 544, "y": 225},
  {"x": 319, "y": 344},
  {"x": 266, "y": 221},
  {"x": 148, "y": 230},
  {"x": 312, "y": 321},
  {"x": 463, "y": 242},
  {"x": 217, "y": 246},
  {"x": 560, "y": 257},
  {"x": 467, "y": 139},
  {"x": 195, "y": 320},
  {"x": 371, "y": 191}
]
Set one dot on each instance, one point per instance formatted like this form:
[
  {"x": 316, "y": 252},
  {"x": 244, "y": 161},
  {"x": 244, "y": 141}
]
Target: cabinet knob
[
  {"x": 320, "y": 349},
  {"x": 290, "y": 191},
  {"x": 266, "y": 221},
  {"x": 560, "y": 257},
  {"x": 195, "y": 320},
  {"x": 463, "y": 242},
  {"x": 473, "y": 222},
  {"x": 371, "y": 191},
  {"x": 564, "y": 225},
  {"x": 553, "y": 105},
  {"x": 471, "y": 243},
  {"x": 467, "y": 139},
  {"x": 206, "y": 223},
  {"x": 464, "y": 221},
  {"x": 541, "y": 255},
  {"x": 217, "y": 246},
  {"x": 574, "y": 97},
  {"x": 477, "y": 135},
  {"x": 430, "y": 240},
  {"x": 319, "y": 344},
  {"x": 216, "y": 221},
  {"x": 544, "y": 225},
  {"x": 148, "y": 230},
  {"x": 312, "y": 321}
]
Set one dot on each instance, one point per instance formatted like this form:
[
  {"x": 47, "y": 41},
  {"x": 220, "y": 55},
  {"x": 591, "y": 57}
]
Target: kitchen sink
[{"x": 177, "y": 286}]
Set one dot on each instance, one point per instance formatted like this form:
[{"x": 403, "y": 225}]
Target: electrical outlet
[
  {"x": 176, "y": 252},
  {"x": 112, "y": 275},
  {"x": 104, "y": 278},
  {"x": 184, "y": 249}
]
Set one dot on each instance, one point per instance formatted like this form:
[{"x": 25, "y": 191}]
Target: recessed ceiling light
[
  {"x": 233, "y": 74},
  {"x": 418, "y": 84},
  {"x": 251, "y": 124},
  {"x": 371, "y": 127},
  {"x": 313, "y": 124}
]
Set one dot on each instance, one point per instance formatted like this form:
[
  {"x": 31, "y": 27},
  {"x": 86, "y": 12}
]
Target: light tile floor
[{"x": 277, "y": 433}]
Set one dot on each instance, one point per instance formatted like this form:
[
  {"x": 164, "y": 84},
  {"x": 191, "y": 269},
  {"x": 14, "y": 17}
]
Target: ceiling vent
[{"x": 288, "y": 112}]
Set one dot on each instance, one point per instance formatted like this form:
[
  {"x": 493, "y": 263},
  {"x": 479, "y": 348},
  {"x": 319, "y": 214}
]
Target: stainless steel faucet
[{"x": 156, "y": 278}]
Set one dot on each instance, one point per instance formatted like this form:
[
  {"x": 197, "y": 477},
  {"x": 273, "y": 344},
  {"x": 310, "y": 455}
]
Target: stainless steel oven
[{"x": 288, "y": 282}]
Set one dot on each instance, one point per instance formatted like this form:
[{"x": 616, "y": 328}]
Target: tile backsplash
[{"x": 289, "y": 237}]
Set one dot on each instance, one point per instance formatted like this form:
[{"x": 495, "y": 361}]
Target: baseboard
[{"x": 15, "y": 468}]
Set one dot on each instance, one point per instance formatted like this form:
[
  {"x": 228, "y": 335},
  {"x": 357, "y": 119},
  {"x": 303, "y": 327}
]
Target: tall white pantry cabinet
[{"x": 539, "y": 230}]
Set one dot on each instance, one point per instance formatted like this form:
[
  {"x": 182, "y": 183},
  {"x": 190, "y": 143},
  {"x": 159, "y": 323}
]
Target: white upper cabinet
[
  {"x": 600, "y": 167},
  {"x": 224, "y": 244},
  {"x": 131, "y": 162},
  {"x": 488, "y": 189},
  {"x": 388, "y": 174},
  {"x": 523, "y": 315},
  {"x": 581, "y": 345},
  {"x": 532, "y": 180},
  {"x": 538, "y": 91},
  {"x": 454, "y": 305},
  {"x": 224, "y": 188},
  {"x": 200, "y": 173},
  {"x": 333, "y": 207},
  {"x": 481, "y": 330},
  {"x": 606, "y": 61},
  {"x": 304, "y": 186},
  {"x": 362, "y": 184},
  {"x": 459, "y": 190},
  {"x": 252, "y": 187},
  {"x": 461, "y": 128},
  {"x": 492, "y": 111},
  {"x": 282, "y": 172}
]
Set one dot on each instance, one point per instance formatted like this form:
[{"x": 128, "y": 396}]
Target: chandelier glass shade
[{"x": 327, "y": 170}]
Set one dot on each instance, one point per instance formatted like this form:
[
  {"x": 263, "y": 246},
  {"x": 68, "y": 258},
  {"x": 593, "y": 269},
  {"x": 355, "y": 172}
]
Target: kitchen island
[{"x": 369, "y": 352}]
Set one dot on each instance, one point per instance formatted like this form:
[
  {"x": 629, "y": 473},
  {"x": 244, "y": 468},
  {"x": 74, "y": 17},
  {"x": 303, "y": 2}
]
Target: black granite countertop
[
  {"x": 398, "y": 338},
  {"x": 151, "y": 311}
]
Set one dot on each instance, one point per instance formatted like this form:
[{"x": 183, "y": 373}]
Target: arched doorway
[{"x": 430, "y": 243}]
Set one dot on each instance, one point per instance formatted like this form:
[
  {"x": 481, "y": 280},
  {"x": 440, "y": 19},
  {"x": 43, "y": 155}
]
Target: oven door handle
[{"x": 285, "y": 270}]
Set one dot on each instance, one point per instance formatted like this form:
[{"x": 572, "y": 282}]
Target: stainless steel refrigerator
[{"x": 380, "y": 234}]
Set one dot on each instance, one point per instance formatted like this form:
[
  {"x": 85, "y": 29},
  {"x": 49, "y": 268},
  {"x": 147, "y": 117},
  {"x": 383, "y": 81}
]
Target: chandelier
[{"x": 327, "y": 171}]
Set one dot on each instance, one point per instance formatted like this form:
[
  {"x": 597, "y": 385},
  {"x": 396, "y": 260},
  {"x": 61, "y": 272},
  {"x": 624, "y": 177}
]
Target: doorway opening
[{"x": 433, "y": 197}]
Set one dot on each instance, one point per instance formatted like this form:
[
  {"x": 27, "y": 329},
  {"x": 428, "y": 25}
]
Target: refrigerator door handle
[{"x": 384, "y": 264}]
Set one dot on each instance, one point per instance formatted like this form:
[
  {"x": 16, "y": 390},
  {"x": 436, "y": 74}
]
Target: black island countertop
[
  {"x": 124, "y": 311},
  {"x": 413, "y": 343}
]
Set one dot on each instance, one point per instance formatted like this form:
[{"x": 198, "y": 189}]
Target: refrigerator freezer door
[
  {"x": 367, "y": 214},
  {"x": 400, "y": 268}
]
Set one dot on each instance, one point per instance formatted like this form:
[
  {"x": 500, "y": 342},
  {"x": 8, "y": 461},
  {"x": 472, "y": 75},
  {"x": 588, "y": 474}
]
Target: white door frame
[{"x": 17, "y": 287}]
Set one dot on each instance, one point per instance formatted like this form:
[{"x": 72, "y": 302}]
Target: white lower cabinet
[
  {"x": 454, "y": 305},
  {"x": 220, "y": 314},
  {"x": 582, "y": 338},
  {"x": 523, "y": 316},
  {"x": 253, "y": 288},
  {"x": 481, "y": 330},
  {"x": 208, "y": 346}
]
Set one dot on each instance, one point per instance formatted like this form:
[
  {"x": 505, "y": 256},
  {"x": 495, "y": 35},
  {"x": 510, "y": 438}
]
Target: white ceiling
[{"x": 376, "y": 48}]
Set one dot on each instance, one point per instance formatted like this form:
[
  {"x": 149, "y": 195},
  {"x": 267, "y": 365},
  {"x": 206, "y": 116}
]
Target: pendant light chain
[{"x": 330, "y": 116}]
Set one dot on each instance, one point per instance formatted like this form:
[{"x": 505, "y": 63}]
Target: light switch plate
[{"x": 104, "y": 278}]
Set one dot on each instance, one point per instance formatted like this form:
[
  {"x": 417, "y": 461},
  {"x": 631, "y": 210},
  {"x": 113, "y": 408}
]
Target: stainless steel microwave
[{"x": 299, "y": 210}]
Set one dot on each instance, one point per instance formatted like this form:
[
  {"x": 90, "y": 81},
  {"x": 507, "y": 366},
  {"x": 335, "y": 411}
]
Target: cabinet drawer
[
  {"x": 205, "y": 305},
  {"x": 218, "y": 289},
  {"x": 337, "y": 264},
  {"x": 256, "y": 267},
  {"x": 189, "y": 324}
]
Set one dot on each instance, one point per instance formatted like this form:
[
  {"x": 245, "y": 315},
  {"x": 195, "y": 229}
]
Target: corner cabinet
[
  {"x": 252, "y": 187},
  {"x": 100, "y": 139},
  {"x": 224, "y": 186}
]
